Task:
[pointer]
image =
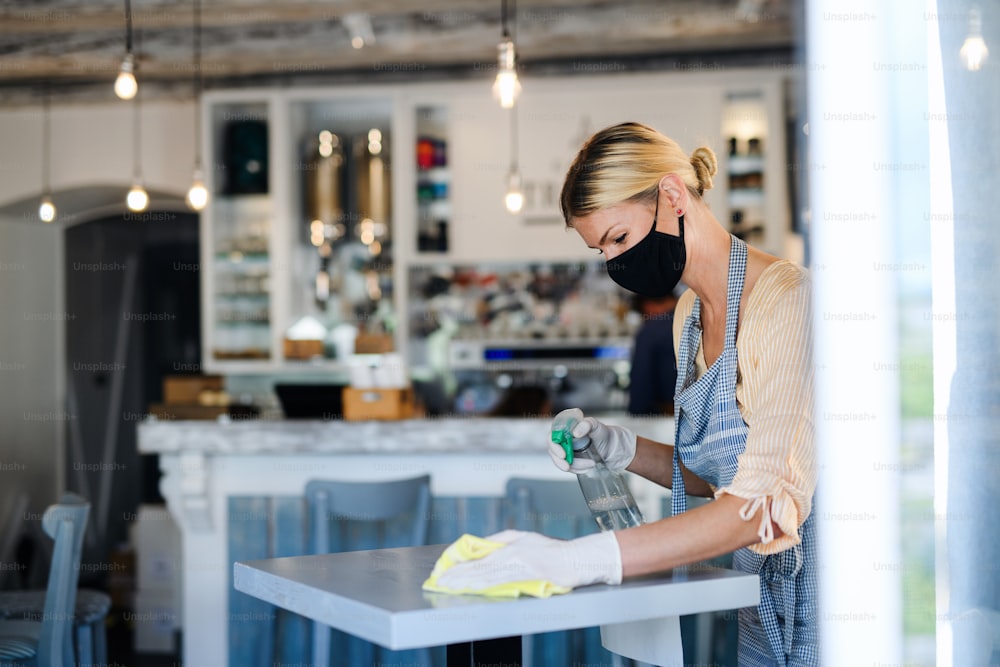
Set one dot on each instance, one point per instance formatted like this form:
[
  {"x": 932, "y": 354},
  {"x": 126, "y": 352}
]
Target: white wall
[
  {"x": 32, "y": 414},
  {"x": 93, "y": 144}
]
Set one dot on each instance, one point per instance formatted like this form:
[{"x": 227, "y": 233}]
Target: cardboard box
[
  {"x": 386, "y": 404},
  {"x": 185, "y": 389},
  {"x": 366, "y": 343},
  {"x": 303, "y": 349}
]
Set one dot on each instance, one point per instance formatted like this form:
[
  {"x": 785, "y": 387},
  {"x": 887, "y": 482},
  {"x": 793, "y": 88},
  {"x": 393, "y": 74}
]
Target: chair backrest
[
  {"x": 12, "y": 530},
  {"x": 554, "y": 507},
  {"x": 65, "y": 523},
  {"x": 369, "y": 502}
]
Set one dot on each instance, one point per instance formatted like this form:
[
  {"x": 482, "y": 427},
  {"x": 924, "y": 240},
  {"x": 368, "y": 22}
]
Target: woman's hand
[
  {"x": 592, "y": 559},
  {"x": 615, "y": 444}
]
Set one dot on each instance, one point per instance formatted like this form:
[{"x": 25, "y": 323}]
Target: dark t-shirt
[{"x": 654, "y": 368}]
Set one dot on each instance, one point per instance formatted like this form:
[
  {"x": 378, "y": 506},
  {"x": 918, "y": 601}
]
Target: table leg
[{"x": 505, "y": 651}]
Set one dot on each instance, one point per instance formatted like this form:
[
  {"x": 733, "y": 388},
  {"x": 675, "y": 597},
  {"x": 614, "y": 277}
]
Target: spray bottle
[{"x": 605, "y": 490}]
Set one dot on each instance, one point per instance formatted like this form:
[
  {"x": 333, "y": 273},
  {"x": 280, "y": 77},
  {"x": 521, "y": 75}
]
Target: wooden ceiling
[{"x": 73, "y": 48}]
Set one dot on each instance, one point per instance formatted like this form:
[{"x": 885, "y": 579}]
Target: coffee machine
[{"x": 588, "y": 374}]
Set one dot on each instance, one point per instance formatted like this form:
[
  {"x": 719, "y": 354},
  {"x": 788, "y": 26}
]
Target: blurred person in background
[{"x": 653, "y": 372}]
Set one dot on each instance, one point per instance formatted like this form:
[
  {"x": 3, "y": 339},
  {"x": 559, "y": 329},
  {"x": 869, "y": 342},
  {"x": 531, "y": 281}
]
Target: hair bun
[{"x": 705, "y": 166}]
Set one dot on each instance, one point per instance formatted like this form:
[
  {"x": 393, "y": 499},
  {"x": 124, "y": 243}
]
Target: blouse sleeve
[{"x": 776, "y": 473}]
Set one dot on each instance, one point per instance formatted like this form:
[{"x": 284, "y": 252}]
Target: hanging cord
[
  {"x": 503, "y": 19},
  {"x": 137, "y": 134},
  {"x": 512, "y": 28},
  {"x": 46, "y": 138},
  {"x": 513, "y": 139},
  {"x": 128, "y": 26},
  {"x": 198, "y": 83}
]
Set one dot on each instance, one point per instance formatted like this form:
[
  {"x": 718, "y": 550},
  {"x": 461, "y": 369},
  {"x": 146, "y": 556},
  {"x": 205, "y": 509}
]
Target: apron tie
[{"x": 782, "y": 569}]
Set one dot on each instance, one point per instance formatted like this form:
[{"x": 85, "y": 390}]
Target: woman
[{"x": 743, "y": 403}]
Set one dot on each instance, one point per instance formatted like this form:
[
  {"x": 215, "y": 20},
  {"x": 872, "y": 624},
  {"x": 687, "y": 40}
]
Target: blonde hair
[{"x": 625, "y": 162}]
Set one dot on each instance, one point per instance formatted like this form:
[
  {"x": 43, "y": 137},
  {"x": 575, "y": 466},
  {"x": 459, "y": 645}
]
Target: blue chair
[
  {"x": 349, "y": 516},
  {"x": 47, "y": 642},
  {"x": 89, "y": 614},
  {"x": 553, "y": 507}
]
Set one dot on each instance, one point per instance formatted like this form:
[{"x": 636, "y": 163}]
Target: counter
[{"x": 204, "y": 464}]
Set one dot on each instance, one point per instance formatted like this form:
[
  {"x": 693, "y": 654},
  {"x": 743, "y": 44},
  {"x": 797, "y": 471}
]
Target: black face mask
[{"x": 652, "y": 267}]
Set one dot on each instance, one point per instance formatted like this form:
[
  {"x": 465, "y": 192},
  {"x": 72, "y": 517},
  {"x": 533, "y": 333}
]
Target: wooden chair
[
  {"x": 349, "y": 516},
  {"x": 47, "y": 642}
]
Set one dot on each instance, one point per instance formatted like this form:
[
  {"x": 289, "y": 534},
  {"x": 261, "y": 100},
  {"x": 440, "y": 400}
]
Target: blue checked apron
[{"x": 710, "y": 434}]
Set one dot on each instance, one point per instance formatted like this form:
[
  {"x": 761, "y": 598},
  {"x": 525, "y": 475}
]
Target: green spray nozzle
[
  {"x": 562, "y": 430},
  {"x": 564, "y": 438}
]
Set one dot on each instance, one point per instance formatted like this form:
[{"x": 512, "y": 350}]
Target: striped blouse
[{"x": 774, "y": 391}]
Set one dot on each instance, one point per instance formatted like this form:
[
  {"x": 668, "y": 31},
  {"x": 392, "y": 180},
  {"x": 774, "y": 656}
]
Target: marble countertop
[{"x": 432, "y": 435}]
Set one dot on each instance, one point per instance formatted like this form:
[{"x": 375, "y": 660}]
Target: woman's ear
[{"x": 676, "y": 191}]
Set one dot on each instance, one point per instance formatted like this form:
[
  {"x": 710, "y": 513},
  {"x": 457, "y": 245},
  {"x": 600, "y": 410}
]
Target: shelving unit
[
  {"x": 236, "y": 236},
  {"x": 745, "y": 130},
  {"x": 441, "y": 178},
  {"x": 433, "y": 179}
]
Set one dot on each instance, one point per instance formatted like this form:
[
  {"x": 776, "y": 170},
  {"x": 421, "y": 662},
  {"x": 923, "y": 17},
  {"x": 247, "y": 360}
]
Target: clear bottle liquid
[{"x": 605, "y": 490}]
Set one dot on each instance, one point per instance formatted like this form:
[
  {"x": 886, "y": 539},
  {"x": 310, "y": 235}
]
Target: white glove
[
  {"x": 616, "y": 444},
  {"x": 593, "y": 559}
]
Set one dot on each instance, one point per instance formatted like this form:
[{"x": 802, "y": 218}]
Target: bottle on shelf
[{"x": 606, "y": 491}]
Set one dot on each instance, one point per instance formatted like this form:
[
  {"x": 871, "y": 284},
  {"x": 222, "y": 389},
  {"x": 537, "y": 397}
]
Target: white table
[
  {"x": 376, "y": 595},
  {"x": 205, "y": 463}
]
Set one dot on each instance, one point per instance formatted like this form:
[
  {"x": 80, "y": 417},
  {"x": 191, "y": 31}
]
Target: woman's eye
[{"x": 620, "y": 239}]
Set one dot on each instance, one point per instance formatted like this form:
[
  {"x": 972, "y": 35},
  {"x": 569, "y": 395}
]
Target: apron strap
[
  {"x": 734, "y": 288},
  {"x": 678, "y": 493}
]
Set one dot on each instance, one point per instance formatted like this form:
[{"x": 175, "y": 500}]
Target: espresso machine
[{"x": 588, "y": 374}]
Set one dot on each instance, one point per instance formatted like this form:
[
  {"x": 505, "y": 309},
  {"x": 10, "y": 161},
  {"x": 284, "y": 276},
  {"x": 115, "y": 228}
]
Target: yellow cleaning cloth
[{"x": 469, "y": 547}]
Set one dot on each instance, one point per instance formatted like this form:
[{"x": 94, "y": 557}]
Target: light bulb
[
  {"x": 137, "y": 199},
  {"x": 514, "y": 199},
  {"x": 974, "y": 51},
  {"x": 359, "y": 25},
  {"x": 197, "y": 196},
  {"x": 125, "y": 85},
  {"x": 506, "y": 86},
  {"x": 47, "y": 210}
]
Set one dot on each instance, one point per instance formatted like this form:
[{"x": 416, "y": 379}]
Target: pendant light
[
  {"x": 125, "y": 85},
  {"x": 514, "y": 198},
  {"x": 506, "y": 87},
  {"x": 137, "y": 198},
  {"x": 197, "y": 196},
  {"x": 359, "y": 25},
  {"x": 46, "y": 209},
  {"x": 974, "y": 51}
]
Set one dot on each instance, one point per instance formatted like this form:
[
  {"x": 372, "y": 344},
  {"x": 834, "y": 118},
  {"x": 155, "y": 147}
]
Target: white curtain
[{"x": 904, "y": 179}]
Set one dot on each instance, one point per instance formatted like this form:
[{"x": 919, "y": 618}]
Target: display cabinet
[
  {"x": 338, "y": 233},
  {"x": 236, "y": 237}
]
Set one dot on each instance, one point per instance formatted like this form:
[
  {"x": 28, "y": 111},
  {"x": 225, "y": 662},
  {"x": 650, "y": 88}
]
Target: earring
[{"x": 680, "y": 212}]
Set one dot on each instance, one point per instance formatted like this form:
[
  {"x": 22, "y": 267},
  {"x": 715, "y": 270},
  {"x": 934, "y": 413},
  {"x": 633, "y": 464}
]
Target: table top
[
  {"x": 469, "y": 435},
  {"x": 377, "y": 595}
]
